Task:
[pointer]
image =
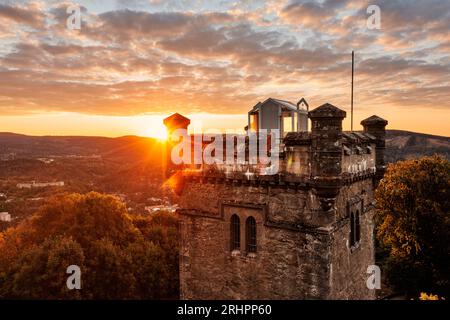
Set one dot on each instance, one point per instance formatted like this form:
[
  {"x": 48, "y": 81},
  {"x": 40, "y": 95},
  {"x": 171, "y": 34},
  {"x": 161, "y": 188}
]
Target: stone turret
[
  {"x": 326, "y": 149},
  {"x": 172, "y": 123},
  {"x": 376, "y": 126},
  {"x": 176, "y": 121}
]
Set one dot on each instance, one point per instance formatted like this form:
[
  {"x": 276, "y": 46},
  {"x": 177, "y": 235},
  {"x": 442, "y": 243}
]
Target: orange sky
[
  {"x": 134, "y": 62},
  {"x": 151, "y": 125}
]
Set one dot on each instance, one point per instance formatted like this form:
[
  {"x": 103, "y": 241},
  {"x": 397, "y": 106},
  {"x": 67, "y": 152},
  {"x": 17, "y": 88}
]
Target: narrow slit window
[
  {"x": 235, "y": 232},
  {"x": 357, "y": 228},
  {"x": 250, "y": 227},
  {"x": 352, "y": 230}
]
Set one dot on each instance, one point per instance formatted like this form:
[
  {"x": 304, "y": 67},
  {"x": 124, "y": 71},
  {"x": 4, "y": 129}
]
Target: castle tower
[{"x": 305, "y": 232}]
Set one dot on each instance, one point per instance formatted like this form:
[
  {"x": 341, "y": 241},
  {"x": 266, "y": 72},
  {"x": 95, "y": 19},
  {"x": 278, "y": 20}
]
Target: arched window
[
  {"x": 250, "y": 234},
  {"x": 357, "y": 227},
  {"x": 352, "y": 229},
  {"x": 235, "y": 232}
]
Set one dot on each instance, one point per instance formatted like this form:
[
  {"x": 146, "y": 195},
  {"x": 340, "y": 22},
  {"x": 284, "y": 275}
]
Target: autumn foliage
[
  {"x": 413, "y": 217},
  {"x": 121, "y": 257}
]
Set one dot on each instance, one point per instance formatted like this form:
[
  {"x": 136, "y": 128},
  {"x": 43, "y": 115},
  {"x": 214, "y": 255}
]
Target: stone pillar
[
  {"x": 376, "y": 126},
  {"x": 326, "y": 149}
]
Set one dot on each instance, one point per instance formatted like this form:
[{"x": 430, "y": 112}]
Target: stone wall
[
  {"x": 298, "y": 256},
  {"x": 349, "y": 265},
  {"x": 284, "y": 205},
  {"x": 287, "y": 264}
]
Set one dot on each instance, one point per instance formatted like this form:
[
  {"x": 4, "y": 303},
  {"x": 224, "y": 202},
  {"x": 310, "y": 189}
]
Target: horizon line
[{"x": 155, "y": 138}]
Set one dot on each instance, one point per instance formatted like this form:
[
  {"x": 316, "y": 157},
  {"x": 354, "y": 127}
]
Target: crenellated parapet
[
  {"x": 324, "y": 158},
  {"x": 358, "y": 153}
]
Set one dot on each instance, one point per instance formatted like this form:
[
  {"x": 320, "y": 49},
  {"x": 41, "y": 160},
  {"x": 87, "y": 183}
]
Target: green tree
[
  {"x": 161, "y": 233},
  {"x": 413, "y": 219},
  {"x": 110, "y": 271},
  {"x": 120, "y": 257},
  {"x": 40, "y": 270}
]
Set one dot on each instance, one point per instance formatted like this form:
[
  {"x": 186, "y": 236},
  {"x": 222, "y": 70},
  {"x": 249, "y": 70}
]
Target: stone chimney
[
  {"x": 326, "y": 149},
  {"x": 376, "y": 126}
]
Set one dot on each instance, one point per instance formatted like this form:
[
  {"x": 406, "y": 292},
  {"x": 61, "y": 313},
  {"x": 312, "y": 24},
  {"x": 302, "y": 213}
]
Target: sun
[{"x": 156, "y": 131}]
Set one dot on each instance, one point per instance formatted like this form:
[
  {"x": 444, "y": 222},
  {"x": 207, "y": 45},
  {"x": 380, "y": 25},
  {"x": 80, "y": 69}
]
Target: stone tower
[{"x": 305, "y": 232}]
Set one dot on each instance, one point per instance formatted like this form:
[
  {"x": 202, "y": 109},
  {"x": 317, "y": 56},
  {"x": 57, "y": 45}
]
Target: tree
[
  {"x": 161, "y": 233},
  {"x": 40, "y": 270},
  {"x": 413, "y": 219},
  {"x": 120, "y": 257}
]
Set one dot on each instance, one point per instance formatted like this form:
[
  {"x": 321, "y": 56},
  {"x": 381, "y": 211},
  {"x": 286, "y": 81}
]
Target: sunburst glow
[{"x": 157, "y": 131}]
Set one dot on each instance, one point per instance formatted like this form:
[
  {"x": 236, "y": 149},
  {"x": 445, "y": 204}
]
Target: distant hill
[
  {"x": 129, "y": 164},
  {"x": 401, "y": 145},
  {"x": 134, "y": 150},
  {"x": 127, "y": 148}
]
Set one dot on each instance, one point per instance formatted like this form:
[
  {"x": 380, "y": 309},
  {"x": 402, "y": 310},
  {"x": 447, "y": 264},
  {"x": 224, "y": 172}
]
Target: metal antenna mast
[{"x": 351, "y": 112}]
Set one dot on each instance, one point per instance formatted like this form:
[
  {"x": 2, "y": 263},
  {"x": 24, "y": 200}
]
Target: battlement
[
  {"x": 358, "y": 160},
  {"x": 326, "y": 154},
  {"x": 324, "y": 159}
]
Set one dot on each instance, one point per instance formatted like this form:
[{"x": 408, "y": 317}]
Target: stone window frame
[{"x": 261, "y": 220}]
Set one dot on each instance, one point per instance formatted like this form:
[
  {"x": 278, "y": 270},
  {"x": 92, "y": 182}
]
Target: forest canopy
[{"x": 120, "y": 256}]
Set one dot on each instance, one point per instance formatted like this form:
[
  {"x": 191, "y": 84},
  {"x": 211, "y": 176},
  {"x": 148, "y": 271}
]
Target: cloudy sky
[{"x": 133, "y": 62}]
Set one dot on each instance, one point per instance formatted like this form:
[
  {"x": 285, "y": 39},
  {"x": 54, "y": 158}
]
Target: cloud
[
  {"x": 221, "y": 58},
  {"x": 125, "y": 25},
  {"x": 316, "y": 15},
  {"x": 27, "y": 15}
]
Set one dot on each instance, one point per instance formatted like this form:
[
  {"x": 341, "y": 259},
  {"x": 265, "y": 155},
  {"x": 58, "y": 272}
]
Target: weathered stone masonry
[{"x": 303, "y": 219}]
